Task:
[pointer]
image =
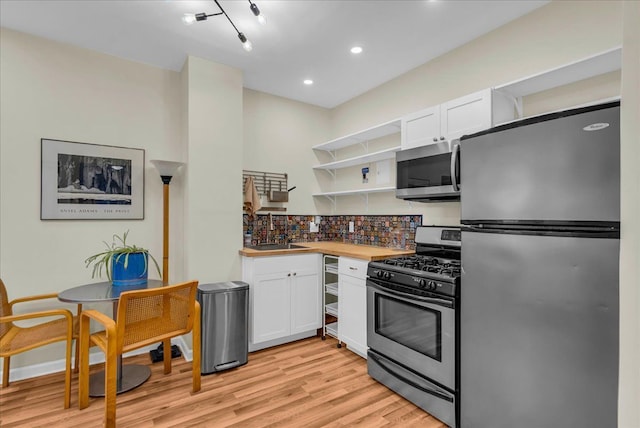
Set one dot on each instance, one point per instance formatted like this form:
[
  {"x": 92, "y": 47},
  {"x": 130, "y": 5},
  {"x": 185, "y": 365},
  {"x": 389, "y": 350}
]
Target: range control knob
[
  {"x": 432, "y": 285},
  {"x": 379, "y": 273},
  {"x": 422, "y": 283},
  {"x": 387, "y": 275}
]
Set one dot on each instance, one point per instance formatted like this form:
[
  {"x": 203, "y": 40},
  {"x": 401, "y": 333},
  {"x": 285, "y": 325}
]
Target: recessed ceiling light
[
  {"x": 356, "y": 50},
  {"x": 308, "y": 82}
]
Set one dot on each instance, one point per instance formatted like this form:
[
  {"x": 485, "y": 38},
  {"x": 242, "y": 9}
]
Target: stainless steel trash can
[{"x": 225, "y": 338}]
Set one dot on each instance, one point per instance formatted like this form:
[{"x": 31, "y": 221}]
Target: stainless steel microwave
[{"x": 429, "y": 173}]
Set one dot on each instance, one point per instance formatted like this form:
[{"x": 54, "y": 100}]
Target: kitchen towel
[{"x": 251, "y": 198}]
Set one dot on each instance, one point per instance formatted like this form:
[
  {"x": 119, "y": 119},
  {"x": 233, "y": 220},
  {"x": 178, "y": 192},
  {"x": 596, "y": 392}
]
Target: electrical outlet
[
  {"x": 351, "y": 227},
  {"x": 313, "y": 227}
]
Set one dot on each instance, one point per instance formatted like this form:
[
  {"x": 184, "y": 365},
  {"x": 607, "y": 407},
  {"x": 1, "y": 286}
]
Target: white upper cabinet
[
  {"x": 465, "y": 115},
  {"x": 453, "y": 119},
  {"x": 421, "y": 128}
]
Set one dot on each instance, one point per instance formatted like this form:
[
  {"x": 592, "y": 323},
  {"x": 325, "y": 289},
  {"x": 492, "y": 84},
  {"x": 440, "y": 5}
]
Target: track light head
[
  {"x": 246, "y": 44},
  {"x": 256, "y": 11},
  {"x": 190, "y": 18}
]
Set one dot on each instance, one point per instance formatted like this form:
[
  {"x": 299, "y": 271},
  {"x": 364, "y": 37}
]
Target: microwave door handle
[{"x": 455, "y": 152}]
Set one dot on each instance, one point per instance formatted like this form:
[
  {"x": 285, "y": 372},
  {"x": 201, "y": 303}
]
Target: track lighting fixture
[
  {"x": 254, "y": 8},
  {"x": 190, "y": 18}
]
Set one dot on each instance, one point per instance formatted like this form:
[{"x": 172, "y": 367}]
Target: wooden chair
[
  {"x": 143, "y": 317},
  {"x": 15, "y": 339}
]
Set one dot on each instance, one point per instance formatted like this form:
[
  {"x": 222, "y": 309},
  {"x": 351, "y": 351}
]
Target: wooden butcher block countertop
[{"x": 364, "y": 252}]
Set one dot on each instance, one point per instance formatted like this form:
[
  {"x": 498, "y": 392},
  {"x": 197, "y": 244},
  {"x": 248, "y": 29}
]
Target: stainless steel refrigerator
[{"x": 540, "y": 208}]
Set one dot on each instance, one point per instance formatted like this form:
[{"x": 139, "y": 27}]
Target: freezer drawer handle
[{"x": 409, "y": 381}]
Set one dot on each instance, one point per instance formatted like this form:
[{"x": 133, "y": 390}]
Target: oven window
[
  {"x": 410, "y": 325},
  {"x": 429, "y": 171}
]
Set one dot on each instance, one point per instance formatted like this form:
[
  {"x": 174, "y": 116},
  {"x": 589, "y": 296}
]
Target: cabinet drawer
[
  {"x": 275, "y": 264},
  {"x": 353, "y": 267}
]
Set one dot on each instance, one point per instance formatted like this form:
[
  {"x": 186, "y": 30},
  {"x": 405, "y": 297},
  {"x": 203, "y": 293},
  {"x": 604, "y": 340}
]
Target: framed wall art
[{"x": 82, "y": 181}]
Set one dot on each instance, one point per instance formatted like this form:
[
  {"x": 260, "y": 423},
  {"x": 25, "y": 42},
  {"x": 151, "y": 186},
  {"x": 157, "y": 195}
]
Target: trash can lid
[{"x": 221, "y": 287}]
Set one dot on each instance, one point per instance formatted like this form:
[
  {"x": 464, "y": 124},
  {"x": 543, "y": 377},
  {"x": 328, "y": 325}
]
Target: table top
[{"x": 102, "y": 291}]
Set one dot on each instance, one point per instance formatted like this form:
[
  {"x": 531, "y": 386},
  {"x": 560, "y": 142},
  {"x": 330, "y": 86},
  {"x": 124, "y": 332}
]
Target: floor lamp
[{"x": 167, "y": 170}]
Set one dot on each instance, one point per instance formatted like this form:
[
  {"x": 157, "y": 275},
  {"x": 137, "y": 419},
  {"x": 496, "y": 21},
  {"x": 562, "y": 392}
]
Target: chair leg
[
  {"x": 195, "y": 338},
  {"x": 67, "y": 372},
  {"x": 110, "y": 385},
  {"x": 83, "y": 377},
  {"x": 166, "y": 357},
  {"x": 5, "y": 371},
  {"x": 76, "y": 360}
]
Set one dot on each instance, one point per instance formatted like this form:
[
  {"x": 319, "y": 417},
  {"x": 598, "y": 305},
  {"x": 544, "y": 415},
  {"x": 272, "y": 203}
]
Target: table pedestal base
[{"x": 133, "y": 375}]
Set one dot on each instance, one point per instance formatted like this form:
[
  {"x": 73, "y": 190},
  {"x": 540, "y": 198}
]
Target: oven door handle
[
  {"x": 434, "y": 392},
  {"x": 431, "y": 300}
]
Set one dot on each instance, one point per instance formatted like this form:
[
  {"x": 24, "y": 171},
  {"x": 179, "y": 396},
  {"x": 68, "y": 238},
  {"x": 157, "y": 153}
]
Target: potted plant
[{"x": 124, "y": 264}]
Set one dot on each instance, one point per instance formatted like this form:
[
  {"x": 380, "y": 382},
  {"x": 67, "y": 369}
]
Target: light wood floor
[{"x": 309, "y": 383}]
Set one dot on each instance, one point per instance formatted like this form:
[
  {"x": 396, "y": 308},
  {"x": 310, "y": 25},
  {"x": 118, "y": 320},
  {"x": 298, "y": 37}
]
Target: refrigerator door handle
[{"x": 455, "y": 152}]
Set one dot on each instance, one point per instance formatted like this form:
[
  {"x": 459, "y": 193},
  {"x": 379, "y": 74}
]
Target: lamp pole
[{"x": 167, "y": 170}]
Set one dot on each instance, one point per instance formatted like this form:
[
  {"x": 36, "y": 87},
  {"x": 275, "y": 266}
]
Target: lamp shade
[{"x": 166, "y": 168}]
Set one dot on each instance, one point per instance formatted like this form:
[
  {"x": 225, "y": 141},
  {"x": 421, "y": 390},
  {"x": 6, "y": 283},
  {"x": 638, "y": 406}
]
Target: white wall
[
  {"x": 213, "y": 209},
  {"x": 278, "y": 136},
  {"x": 629, "y": 410},
  {"x": 51, "y": 90}
]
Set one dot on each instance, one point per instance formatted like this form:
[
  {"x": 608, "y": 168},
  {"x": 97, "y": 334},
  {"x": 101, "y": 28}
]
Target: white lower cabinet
[
  {"x": 352, "y": 311},
  {"x": 306, "y": 301},
  {"x": 270, "y": 298},
  {"x": 285, "y": 298}
]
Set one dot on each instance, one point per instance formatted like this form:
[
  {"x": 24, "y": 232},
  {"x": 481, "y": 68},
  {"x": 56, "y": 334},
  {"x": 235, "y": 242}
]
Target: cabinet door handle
[
  {"x": 353, "y": 268},
  {"x": 294, "y": 274},
  {"x": 435, "y": 139},
  {"x": 289, "y": 274}
]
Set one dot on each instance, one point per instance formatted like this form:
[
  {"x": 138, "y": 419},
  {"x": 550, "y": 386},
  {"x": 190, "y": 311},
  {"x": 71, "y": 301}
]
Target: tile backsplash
[{"x": 397, "y": 231}]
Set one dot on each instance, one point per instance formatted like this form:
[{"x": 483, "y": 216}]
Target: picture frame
[{"x": 84, "y": 181}]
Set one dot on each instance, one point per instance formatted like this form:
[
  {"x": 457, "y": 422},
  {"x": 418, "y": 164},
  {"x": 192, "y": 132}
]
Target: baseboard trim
[
  {"x": 282, "y": 340},
  {"x": 41, "y": 369}
]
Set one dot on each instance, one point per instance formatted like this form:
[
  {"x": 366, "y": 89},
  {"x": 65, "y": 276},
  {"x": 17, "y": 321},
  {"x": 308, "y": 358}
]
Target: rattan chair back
[
  {"x": 151, "y": 315},
  {"x": 144, "y": 317}
]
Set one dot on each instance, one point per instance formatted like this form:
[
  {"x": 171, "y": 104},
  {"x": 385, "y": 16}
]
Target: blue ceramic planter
[{"x": 136, "y": 272}]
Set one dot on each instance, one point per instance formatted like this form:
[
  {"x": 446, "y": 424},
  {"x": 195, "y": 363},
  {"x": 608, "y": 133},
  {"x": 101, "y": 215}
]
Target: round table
[{"x": 129, "y": 376}]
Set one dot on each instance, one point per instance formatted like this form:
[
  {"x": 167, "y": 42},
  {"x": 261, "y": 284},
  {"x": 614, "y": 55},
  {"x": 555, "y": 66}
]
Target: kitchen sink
[{"x": 265, "y": 247}]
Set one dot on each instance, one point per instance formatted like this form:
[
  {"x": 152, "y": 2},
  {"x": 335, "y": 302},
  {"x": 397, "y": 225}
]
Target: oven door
[
  {"x": 428, "y": 173},
  {"x": 415, "y": 331}
]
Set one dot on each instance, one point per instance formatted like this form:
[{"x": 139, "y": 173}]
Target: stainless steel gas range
[{"x": 411, "y": 321}]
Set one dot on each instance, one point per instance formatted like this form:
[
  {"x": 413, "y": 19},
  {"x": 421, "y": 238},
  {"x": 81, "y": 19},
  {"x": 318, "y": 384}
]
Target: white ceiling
[{"x": 302, "y": 38}]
